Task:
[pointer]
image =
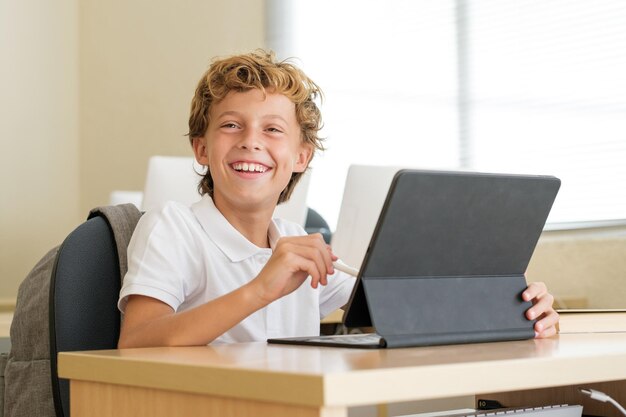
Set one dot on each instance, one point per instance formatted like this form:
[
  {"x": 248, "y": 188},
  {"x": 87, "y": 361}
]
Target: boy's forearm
[{"x": 198, "y": 326}]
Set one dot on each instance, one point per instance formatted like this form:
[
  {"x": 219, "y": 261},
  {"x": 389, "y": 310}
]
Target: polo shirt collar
[{"x": 228, "y": 239}]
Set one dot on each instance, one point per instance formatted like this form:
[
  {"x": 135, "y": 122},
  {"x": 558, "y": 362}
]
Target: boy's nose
[{"x": 251, "y": 141}]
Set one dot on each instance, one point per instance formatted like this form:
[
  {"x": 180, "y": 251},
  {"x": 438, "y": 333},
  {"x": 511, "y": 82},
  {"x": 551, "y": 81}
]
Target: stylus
[{"x": 345, "y": 268}]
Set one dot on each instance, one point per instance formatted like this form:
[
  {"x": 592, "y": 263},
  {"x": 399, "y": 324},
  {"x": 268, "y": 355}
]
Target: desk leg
[{"x": 92, "y": 399}]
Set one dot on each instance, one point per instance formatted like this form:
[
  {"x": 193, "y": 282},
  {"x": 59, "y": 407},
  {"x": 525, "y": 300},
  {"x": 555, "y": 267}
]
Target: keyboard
[
  {"x": 352, "y": 339},
  {"x": 561, "y": 410},
  {"x": 361, "y": 340}
]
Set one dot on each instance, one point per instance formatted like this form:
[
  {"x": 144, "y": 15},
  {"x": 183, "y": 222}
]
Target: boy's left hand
[{"x": 547, "y": 318}]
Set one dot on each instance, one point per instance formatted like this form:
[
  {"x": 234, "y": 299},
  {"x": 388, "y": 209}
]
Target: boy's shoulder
[
  {"x": 169, "y": 223},
  {"x": 169, "y": 208},
  {"x": 172, "y": 212}
]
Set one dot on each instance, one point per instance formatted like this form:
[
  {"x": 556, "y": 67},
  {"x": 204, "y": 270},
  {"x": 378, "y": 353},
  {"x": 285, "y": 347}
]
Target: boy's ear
[
  {"x": 200, "y": 150},
  {"x": 303, "y": 157}
]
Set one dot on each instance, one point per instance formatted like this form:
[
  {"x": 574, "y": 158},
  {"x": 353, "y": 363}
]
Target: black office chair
[
  {"x": 84, "y": 289},
  {"x": 315, "y": 223}
]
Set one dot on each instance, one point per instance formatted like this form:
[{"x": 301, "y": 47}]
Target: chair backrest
[
  {"x": 315, "y": 223},
  {"x": 84, "y": 290}
]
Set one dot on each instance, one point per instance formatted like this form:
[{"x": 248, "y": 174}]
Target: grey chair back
[
  {"x": 84, "y": 290},
  {"x": 315, "y": 223}
]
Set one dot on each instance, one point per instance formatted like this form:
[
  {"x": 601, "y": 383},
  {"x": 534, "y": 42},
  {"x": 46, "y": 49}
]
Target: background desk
[
  {"x": 271, "y": 380},
  {"x": 5, "y": 327}
]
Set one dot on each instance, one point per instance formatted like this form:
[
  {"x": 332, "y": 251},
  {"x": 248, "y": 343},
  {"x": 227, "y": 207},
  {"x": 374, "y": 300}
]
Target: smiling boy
[{"x": 223, "y": 270}]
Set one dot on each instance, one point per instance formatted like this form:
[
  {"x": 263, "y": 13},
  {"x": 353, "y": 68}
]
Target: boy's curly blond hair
[{"x": 258, "y": 69}]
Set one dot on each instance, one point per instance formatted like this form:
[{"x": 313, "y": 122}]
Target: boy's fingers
[
  {"x": 317, "y": 254},
  {"x": 324, "y": 249},
  {"x": 314, "y": 249},
  {"x": 333, "y": 257},
  {"x": 550, "y": 319},
  {"x": 541, "y": 306},
  {"x": 317, "y": 242},
  {"x": 551, "y": 331},
  {"x": 534, "y": 290},
  {"x": 310, "y": 268},
  {"x": 547, "y": 326},
  {"x": 313, "y": 259}
]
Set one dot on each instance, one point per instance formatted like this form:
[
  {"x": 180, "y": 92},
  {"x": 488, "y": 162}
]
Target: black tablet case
[{"x": 447, "y": 258}]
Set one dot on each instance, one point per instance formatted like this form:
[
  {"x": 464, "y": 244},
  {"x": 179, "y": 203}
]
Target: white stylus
[{"x": 345, "y": 268}]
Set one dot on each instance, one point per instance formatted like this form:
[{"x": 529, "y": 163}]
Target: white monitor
[
  {"x": 171, "y": 178},
  {"x": 176, "y": 178},
  {"x": 296, "y": 208},
  {"x": 363, "y": 197}
]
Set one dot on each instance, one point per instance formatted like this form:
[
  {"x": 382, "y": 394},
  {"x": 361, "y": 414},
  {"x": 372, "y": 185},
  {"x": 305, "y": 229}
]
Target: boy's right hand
[{"x": 293, "y": 260}]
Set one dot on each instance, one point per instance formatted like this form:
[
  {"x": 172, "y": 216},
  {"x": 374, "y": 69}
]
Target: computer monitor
[{"x": 363, "y": 197}]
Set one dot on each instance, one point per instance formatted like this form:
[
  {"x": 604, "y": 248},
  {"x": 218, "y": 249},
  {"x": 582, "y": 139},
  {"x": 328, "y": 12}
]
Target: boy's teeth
[{"x": 249, "y": 167}]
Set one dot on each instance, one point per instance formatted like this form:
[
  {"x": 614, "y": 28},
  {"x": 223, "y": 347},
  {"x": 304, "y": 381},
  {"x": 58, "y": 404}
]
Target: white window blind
[
  {"x": 547, "y": 95},
  {"x": 388, "y": 73},
  {"x": 522, "y": 86}
]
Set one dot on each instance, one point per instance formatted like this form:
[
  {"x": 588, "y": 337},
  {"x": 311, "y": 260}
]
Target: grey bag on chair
[
  {"x": 3, "y": 365},
  {"x": 28, "y": 391},
  {"x": 27, "y": 374}
]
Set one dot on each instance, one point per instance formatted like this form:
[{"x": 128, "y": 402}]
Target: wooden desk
[
  {"x": 271, "y": 380},
  {"x": 5, "y": 323},
  {"x": 592, "y": 321}
]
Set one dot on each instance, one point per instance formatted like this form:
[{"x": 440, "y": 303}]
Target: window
[{"x": 522, "y": 86}]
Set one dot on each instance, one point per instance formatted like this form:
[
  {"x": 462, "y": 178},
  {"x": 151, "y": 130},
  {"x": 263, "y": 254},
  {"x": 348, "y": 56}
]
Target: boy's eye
[
  {"x": 230, "y": 125},
  {"x": 274, "y": 129}
]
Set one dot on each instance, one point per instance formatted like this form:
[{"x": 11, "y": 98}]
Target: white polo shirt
[{"x": 186, "y": 256}]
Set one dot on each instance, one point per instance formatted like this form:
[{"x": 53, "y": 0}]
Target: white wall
[
  {"x": 88, "y": 91},
  {"x": 140, "y": 62},
  {"x": 39, "y": 121}
]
